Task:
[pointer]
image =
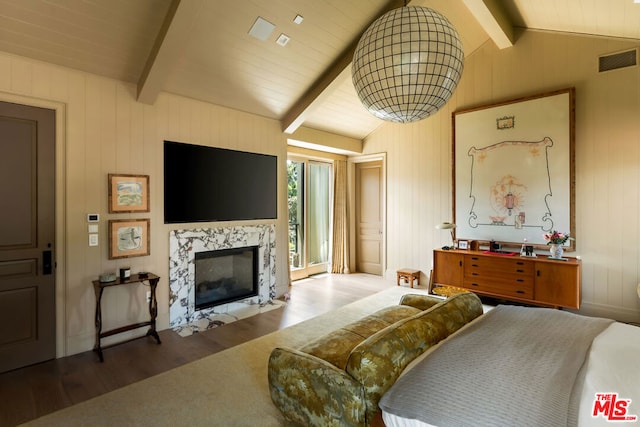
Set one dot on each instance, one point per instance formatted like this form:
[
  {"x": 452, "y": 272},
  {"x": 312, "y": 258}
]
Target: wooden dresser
[{"x": 538, "y": 281}]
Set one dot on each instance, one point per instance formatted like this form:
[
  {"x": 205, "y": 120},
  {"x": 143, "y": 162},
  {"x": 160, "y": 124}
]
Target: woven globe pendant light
[{"x": 407, "y": 64}]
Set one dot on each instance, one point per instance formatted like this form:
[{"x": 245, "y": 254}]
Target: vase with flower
[{"x": 556, "y": 240}]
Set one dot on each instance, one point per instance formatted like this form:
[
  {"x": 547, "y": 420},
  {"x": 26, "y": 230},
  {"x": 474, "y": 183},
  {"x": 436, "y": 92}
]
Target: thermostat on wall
[{"x": 93, "y": 217}]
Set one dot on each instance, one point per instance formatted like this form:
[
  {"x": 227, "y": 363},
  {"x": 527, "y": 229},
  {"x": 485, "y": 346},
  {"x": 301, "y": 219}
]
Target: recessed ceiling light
[
  {"x": 298, "y": 19},
  {"x": 283, "y": 39},
  {"x": 261, "y": 29}
]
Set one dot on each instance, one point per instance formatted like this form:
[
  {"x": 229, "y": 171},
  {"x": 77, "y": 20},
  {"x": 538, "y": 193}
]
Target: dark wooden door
[{"x": 27, "y": 235}]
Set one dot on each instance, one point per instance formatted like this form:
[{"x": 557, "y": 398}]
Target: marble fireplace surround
[{"x": 183, "y": 245}]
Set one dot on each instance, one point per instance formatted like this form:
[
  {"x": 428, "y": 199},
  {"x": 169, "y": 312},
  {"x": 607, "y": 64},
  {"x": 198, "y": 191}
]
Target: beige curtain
[{"x": 340, "y": 257}]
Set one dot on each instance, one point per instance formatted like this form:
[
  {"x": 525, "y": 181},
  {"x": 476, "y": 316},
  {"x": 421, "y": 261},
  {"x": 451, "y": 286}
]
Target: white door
[{"x": 369, "y": 217}]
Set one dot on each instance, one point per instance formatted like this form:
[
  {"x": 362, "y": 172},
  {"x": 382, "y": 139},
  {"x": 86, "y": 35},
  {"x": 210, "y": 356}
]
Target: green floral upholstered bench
[{"x": 338, "y": 379}]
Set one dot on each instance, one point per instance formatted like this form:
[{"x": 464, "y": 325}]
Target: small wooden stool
[{"x": 409, "y": 275}]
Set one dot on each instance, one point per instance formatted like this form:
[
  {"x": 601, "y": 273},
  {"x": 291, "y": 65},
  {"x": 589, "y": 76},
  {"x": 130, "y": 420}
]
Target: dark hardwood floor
[{"x": 34, "y": 391}]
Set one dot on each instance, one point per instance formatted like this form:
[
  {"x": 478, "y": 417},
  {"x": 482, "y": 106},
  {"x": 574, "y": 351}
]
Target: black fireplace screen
[{"x": 225, "y": 275}]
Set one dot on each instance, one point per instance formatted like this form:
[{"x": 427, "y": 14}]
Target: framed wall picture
[
  {"x": 128, "y": 193},
  {"x": 128, "y": 238},
  {"x": 514, "y": 176}
]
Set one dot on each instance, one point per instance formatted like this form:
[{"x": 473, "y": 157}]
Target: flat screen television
[{"x": 206, "y": 184}]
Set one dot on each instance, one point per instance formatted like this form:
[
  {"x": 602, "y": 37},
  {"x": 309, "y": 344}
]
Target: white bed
[{"x": 611, "y": 367}]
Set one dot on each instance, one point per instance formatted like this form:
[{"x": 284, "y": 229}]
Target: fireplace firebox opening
[{"x": 226, "y": 275}]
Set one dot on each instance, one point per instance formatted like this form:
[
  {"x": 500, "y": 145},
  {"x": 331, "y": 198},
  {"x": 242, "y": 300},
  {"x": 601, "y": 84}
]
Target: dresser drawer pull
[
  {"x": 520, "y": 263},
  {"x": 519, "y": 280},
  {"x": 474, "y": 265},
  {"x": 474, "y": 274},
  {"x": 475, "y": 258},
  {"x": 520, "y": 271},
  {"x": 474, "y": 284},
  {"x": 520, "y": 292}
]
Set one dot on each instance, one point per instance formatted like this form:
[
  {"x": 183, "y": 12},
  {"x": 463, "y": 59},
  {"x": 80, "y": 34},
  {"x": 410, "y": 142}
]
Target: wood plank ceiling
[{"x": 201, "y": 48}]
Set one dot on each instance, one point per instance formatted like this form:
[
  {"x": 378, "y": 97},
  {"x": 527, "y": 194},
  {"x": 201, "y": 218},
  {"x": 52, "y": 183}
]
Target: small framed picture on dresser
[{"x": 463, "y": 244}]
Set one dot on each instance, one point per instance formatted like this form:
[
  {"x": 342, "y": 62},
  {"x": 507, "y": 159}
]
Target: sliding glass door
[{"x": 309, "y": 200}]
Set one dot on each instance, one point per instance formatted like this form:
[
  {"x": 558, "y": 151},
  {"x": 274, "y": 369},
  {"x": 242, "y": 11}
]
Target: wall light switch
[
  {"x": 93, "y": 240},
  {"x": 93, "y": 228}
]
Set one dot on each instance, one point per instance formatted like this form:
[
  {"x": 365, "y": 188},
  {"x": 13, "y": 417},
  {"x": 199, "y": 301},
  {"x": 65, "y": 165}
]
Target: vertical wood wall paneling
[
  {"x": 108, "y": 132},
  {"x": 607, "y": 157},
  {"x": 425, "y": 150},
  {"x": 84, "y": 156},
  {"x": 61, "y": 83},
  {"x": 41, "y": 81},
  {"x": 628, "y": 207},
  {"x": 21, "y": 77}
]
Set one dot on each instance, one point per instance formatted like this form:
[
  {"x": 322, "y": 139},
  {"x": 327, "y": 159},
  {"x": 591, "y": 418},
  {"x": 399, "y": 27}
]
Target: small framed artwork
[
  {"x": 463, "y": 244},
  {"x": 128, "y": 238},
  {"x": 128, "y": 193}
]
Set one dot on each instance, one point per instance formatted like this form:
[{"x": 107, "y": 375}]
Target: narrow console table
[
  {"x": 538, "y": 281},
  {"x": 99, "y": 288}
]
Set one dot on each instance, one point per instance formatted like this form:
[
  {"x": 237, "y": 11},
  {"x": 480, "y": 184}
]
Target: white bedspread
[{"x": 612, "y": 367}]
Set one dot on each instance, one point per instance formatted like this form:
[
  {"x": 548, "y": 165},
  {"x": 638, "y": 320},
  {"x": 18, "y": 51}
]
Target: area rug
[
  {"x": 219, "y": 319},
  {"x": 228, "y": 388}
]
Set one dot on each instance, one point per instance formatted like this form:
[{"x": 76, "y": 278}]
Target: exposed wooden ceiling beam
[
  {"x": 493, "y": 18},
  {"x": 327, "y": 83},
  {"x": 168, "y": 46}
]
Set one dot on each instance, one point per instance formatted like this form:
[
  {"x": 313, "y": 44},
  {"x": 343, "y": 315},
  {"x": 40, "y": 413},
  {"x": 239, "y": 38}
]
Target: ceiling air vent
[{"x": 628, "y": 58}]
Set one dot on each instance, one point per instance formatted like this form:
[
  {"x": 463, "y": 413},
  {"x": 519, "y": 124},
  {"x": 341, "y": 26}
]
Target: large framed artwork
[
  {"x": 128, "y": 193},
  {"x": 514, "y": 173},
  {"x": 128, "y": 238}
]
